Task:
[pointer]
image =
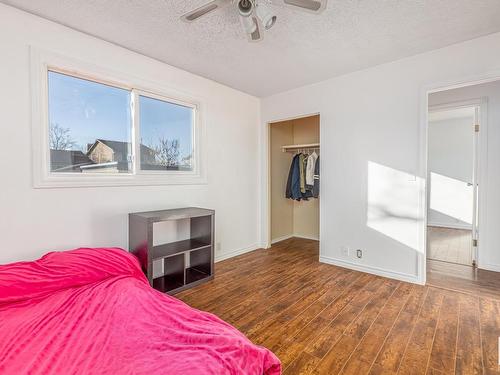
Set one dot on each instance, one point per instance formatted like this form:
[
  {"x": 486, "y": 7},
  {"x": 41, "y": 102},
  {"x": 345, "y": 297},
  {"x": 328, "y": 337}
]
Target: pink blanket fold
[{"x": 92, "y": 311}]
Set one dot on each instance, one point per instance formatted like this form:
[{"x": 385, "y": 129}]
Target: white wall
[
  {"x": 33, "y": 221},
  {"x": 450, "y": 165},
  {"x": 489, "y": 213},
  {"x": 281, "y": 211},
  {"x": 371, "y": 123}
]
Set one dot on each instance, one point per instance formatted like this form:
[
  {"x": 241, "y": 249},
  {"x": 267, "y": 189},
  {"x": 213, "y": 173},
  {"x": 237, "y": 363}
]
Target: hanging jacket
[
  {"x": 288, "y": 190},
  {"x": 305, "y": 189},
  {"x": 315, "y": 190},
  {"x": 293, "y": 182}
]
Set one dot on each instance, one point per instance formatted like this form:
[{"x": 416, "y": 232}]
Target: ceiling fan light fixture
[
  {"x": 256, "y": 16},
  {"x": 265, "y": 15},
  {"x": 249, "y": 24},
  {"x": 246, "y": 7}
]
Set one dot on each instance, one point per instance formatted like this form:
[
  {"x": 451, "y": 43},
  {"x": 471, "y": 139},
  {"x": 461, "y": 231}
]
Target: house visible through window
[{"x": 91, "y": 127}]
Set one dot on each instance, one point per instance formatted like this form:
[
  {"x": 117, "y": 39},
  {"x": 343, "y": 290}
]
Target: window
[
  {"x": 90, "y": 126},
  {"x": 93, "y": 127},
  {"x": 166, "y": 135}
]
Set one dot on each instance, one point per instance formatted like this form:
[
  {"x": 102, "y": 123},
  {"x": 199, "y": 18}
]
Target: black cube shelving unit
[{"x": 185, "y": 263}]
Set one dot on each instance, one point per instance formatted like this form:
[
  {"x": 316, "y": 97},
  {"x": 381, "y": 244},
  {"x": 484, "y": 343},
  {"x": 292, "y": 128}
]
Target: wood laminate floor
[
  {"x": 450, "y": 245},
  {"x": 463, "y": 278},
  {"x": 322, "y": 319}
]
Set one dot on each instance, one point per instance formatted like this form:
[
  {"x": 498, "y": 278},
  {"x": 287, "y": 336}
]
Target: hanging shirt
[
  {"x": 311, "y": 163},
  {"x": 302, "y": 163},
  {"x": 315, "y": 190}
]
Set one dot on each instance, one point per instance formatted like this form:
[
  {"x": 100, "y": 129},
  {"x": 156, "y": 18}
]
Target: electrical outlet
[
  {"x": 217, "y": 246},
  {"x": 344, "y": 250},
  {"x": 359, "y": 253}
]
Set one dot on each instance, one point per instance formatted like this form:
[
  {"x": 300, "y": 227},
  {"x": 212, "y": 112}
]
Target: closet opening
[{"x": 294, "y": 180}]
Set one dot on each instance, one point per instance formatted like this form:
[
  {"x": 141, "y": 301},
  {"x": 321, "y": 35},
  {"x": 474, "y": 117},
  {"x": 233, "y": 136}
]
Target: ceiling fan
[{"x": 255, "y": 15}]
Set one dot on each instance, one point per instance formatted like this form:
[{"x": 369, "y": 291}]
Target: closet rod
[{"x": 297, "y": 147}]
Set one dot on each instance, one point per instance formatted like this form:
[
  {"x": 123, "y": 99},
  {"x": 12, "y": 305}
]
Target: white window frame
[{"x": 44, "y": 61}]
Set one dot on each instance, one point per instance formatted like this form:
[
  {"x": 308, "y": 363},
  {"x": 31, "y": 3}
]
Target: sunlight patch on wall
[
  {"x": 393, "y": 204},
  {"x": 451, "y": 197}
]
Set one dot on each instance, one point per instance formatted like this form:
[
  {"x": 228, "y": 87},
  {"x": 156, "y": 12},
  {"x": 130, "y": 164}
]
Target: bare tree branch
[
  {"x": 167, "y": 152},
  {"x": 60, "y": 138}
]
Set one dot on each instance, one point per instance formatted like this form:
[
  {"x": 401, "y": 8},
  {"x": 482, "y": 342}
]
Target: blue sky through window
[
  {"x": 91, "y": 111},
  {"x": 163, "y": 120}
]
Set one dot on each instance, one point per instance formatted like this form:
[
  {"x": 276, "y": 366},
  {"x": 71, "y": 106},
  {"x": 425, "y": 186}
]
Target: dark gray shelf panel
[
  {"x": 174, "y": 214},
  {"x": 165, "y": 250}
]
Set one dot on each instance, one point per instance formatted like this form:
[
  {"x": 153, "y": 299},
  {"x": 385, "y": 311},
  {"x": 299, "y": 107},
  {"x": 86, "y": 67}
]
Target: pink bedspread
[{"x": 92, "y": 311}]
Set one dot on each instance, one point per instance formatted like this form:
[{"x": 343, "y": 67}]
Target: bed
[{"x": 92, "y": 311}]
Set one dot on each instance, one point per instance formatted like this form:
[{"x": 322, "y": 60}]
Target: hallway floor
[{"x": 450, "y": 245}]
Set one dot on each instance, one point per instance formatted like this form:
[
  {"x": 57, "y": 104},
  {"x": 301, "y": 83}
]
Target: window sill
[{"x": 143, "y": 179}]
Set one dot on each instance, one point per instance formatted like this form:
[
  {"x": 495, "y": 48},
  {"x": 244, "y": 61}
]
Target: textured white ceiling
[{"x": 300, "y": 49}]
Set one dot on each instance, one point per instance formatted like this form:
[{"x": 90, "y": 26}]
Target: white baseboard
[
  {"x": 279, "y": 239},
  {"x": 282, "y": 238},
  {"x": 370, "y": 269},
  {"x": 345, "y": 264},
  {"x": 234, "y": 253},
  {"x": 448, "y": 225},
  {"x": 306, "y": 237},
  {"x": 489, "y": 267}
]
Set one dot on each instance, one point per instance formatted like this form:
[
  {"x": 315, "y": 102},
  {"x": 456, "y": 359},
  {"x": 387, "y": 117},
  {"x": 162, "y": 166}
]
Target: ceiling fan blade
[
  {"x": 257, "y": 35},
  {"x": 204, "y": 9},
  {"x": 314, "y": 6}
]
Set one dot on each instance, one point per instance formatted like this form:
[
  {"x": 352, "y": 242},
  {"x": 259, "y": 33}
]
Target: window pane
[
  {"x": 89, "y": 126},
  {"x": 166, "y": 135}
]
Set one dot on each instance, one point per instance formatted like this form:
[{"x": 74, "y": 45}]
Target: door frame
[
  {"x": 267, "y": 135},
  {"x": 480, "y": 107},
  {"x": 423, "y": 159}
]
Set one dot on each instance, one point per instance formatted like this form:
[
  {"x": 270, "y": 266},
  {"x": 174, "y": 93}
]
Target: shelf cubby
[
  {"x": 193, "y": 274},
  {"x": 165, "y": 250},
  {"x": 173, "y": 274}
]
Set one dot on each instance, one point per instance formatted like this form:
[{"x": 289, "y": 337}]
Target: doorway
[
  {"x": 470, "y": 223},
  {"x": 294, "y": 212},
  {"x": 452, "y": 225}
]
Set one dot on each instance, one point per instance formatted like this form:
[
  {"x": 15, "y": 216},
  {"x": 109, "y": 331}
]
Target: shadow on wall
[
  {"x": 451, "y": 197},
  {"x": 393, "y": 204}
]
